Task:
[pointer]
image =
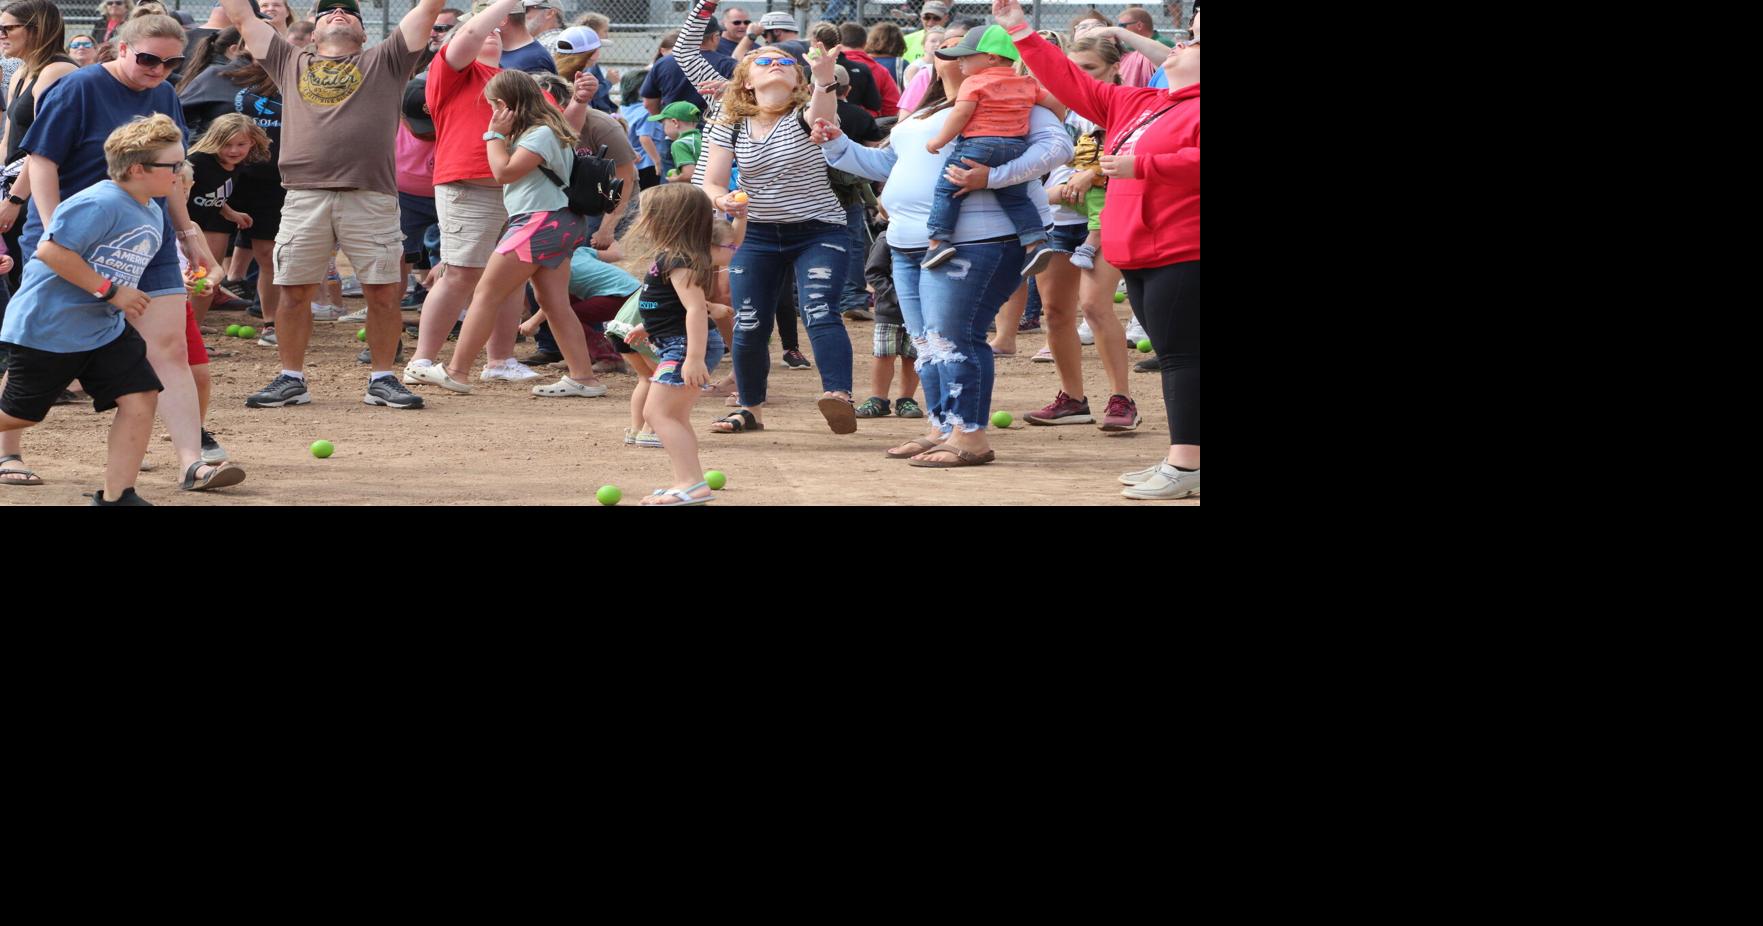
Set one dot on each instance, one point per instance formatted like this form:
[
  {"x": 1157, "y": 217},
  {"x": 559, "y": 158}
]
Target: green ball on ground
[
  {"x": 1001, "y": 419},
  {"x": 715, "y": 479},
  {"x": 1119, "y": 296},
  {"x": 232, "y": 331},
  {"x": 361, "y": 335},
  {"x": 1144, "y": 345},
  {"x": 609, "y": 495},
  {"x": 246, "y": 331},
  {"x": 322, "y": 449}
]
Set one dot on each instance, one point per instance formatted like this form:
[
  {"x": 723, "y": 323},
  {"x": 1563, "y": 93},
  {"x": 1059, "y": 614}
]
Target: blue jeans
[
  {"x": 947, "y": 311},
  {"x": 856, "y": 296},
  {"x": 991, "y": 151},
  {"x": 672, "y": 354},
  {"x": 821, "y": 255}
]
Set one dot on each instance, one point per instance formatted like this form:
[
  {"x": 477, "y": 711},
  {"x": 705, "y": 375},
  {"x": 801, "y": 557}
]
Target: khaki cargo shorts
[
  {"x": 471, "y": 223},
  {"x": 315, "y": 223}
]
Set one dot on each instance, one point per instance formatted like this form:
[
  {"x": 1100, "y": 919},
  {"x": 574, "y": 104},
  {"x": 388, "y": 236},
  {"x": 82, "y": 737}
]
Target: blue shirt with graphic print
[{"x": 118, "y": 237}]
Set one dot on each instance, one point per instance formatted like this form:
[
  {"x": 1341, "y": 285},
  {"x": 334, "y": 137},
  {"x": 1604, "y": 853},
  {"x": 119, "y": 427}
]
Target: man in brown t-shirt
[{"x": 340, "y": 107}]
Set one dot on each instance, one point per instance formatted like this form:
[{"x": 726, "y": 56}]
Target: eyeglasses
[
  {"x": 80, "y": 45},
  {"x": 440, "y": 27},
  {"x": 768, "y": 62},
  {"x": 174, "y": 165},
  {"x": 154, "y": 61}
]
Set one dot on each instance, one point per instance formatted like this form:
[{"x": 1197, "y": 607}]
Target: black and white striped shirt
[{"x": 784, "y": 174}]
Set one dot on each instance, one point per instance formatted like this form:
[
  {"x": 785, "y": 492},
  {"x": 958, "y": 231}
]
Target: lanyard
[{"x": 1118, "y": 142}]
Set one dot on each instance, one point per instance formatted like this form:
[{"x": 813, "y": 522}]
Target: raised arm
[
  {"x": 468, "y": 39},
  {"x": 1150, "y": 48},
  {"x": 1067, "y": 82},
  {"x": 687, "y": 50},
  {"x": 415, "y": 24},
  {"x": 824, "y": 104},
  {"x": 257, "y": 34}
]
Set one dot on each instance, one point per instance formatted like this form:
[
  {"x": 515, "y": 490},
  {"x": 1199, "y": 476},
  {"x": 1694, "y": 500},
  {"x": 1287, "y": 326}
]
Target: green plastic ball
[
  {"x": 322, "y": 449},
  {"x": 609, "y": 495},
  {"x": 1119, "y": 296},
  {"x": 1144, "y": 345},
  {"x": 232, "y": 331},
  {"x": 361, "y": 335},
  {"x": 246, "y": 331},
  {"x": 1001, "y": 419},
  {"x": 715, "y": 479}
]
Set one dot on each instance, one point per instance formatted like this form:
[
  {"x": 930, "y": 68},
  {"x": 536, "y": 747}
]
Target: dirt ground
[{"x": 503, "y": 446}]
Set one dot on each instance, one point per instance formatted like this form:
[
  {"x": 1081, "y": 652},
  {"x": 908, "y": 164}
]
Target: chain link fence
[{"x": 638, "y": 25}]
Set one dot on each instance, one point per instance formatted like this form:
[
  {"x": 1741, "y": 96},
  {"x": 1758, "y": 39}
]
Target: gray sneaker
[
  {"x": 389, "y": 392},
  {"x": 283, "y": 390},
  {"x": 1167, "y": 483},
  {"x": 366, "y": 355},
  {"x": 268, "y": 338},
  {"x": 212, "y": 451}
]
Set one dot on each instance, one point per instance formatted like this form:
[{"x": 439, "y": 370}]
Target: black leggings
[
  {"x": 787, "y": 334},
  {"x": 1167, "y": 302}
]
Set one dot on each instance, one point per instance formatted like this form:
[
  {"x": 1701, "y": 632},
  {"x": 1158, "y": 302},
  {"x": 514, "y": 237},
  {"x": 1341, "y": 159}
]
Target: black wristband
[{"x": 14, "y": 200}]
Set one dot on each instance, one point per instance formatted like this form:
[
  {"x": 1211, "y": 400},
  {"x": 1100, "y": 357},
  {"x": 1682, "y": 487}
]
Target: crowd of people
[{"x": 955, "y": 185}]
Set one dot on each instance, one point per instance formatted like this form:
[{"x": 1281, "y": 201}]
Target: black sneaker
[
  {"x": 873, "y": 407},
  {"x": 256, "y": 310},
  {"x": 1148, "y": 365},
  {"x": 937, "y": 256},
  {"x": 366, "y": 355},
  {"x": 1037, "y": 261},
  {"x": 542, "y": 357},
  {"x": 212, "y": 451},
  {"x": 795, "y": 361},
  {"x": 283, "y": 390},
  {"x": 128, "y": 500},
  {"x": 413, "y": 300},
  {"x": 389, "y": 392}
]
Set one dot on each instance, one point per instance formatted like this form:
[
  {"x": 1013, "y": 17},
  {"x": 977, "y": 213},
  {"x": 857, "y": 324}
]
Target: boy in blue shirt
[{"x": 69, "y": 319}]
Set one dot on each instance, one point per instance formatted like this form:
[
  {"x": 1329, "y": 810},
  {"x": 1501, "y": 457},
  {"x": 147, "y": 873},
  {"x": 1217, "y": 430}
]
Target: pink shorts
[{"x": 543, "y": 238}]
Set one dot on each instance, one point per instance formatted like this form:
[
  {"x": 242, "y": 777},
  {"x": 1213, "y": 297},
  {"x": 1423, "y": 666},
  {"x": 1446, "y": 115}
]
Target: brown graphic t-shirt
[{"x": 340, "y": 115}]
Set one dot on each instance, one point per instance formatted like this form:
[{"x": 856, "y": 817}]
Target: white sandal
[{"x": 568, "y": 387}]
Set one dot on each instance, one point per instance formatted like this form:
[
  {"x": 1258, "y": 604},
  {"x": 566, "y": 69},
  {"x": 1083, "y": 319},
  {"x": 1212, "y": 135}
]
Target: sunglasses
[
  {"x": 154, "y": 61},
  {"x": 7, "y": 30},
  {"x": 337, "y": 9},
  {"x": 739, "y": 22},
  {"x": 768, "y": 62},
  {"x": 80, "y": 45},
  {"x": 440, "y": 27}
]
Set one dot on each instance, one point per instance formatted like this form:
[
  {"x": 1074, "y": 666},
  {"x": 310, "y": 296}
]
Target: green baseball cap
[
  {"x": 991, "y": 40},
  {"x": 681, "y": 110}
]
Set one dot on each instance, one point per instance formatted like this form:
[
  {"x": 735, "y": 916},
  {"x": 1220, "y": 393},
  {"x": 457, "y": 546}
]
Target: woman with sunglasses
[
  {"x": 33, "y": 33},
  {"x": 83, "y": 49},
  {"x": 66, "y": 146},
  {"x": 948, "y": 308},
  {"x": 115, "y": 12},
  {"x": 1151, "y": 230}
]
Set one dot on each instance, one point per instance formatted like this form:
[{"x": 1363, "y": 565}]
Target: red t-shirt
[{"x": 462, "y": 116}]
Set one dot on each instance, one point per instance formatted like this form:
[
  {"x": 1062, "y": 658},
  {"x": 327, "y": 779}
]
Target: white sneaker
[
  {"x": 434, "y": 374},
  {"x": 568, "y": 387},
  {"x": 1084, "y": 334},
  {"x": 355, "y": 317},
  {"x": 351, "y": 287},
  {"x": 1167, "y": 483},
  {"x": 326, "y": 313},
  {"x": 1135, "y": 333},
  {"x": 512, "y": 371}
]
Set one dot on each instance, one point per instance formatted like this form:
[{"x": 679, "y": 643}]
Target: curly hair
[
  {"x": 739, "y": 101},
  {"x": 138, "y": 141}
]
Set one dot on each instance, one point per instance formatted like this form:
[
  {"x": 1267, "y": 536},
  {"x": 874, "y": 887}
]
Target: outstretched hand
[{"x": 1008, "y": 13}]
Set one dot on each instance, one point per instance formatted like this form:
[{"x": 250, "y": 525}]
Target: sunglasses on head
[
  {"x": 768, "y": 62},
  {"x": 154, "y": 61}
]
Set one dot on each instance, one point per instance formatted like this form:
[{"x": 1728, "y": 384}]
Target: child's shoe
[
  {"x": 873, "y": 407},
  {"x": 906, "y": 408},
  {"x": 1037, "y": 261},
  {"x": 937, "y": 256},
  {"x": 1084, "y": 256}
]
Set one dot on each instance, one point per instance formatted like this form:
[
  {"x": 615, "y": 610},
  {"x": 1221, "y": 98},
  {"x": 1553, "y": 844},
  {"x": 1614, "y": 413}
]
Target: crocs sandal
[
  {"x": 924, "y": 445},
  {"x": 226, "y": 474},
  {"x": 840, "y": 414},
  {"x": 30, "y": 478},
  {"x": 684, "y": 496},
  {"x": 962, "y": 458},
  {"x": 742, "y": 420}
]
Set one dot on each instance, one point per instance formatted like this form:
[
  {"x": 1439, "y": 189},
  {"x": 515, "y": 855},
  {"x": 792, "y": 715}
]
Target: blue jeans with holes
[
  {"x": 821, "y": 255},
  {"x": 992, "y": 151},
  {"x": 947, "y": 311}
]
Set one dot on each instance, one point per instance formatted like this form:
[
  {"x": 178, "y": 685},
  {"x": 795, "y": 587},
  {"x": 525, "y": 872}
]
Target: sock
[
  {"x": 1183, "y": 469},
  {"x": 296, "y": 374},
  {"x": 378, "y": 374}
]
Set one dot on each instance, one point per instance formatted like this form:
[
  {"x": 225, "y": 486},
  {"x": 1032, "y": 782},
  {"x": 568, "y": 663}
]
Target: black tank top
[{"x": 23, "y": 111}]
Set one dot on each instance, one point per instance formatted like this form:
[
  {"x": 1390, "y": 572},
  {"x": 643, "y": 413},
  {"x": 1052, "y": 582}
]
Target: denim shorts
[
  {"x": 672, "y": 351},
  {"x": 1066, "y": 238}
]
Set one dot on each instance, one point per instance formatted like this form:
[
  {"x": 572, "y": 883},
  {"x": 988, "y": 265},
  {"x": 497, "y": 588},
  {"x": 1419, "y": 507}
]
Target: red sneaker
[
  {"x": 1122, "y": 414},
  {"x": 1063, "y": 410}
]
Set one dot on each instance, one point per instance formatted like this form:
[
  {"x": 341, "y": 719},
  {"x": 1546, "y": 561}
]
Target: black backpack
[{"x": 593, "y": 188}]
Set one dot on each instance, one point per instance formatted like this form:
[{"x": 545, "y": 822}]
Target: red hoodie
[
  {"x": 884, "y": 82},
  {"x": 1153, "y": 219}
]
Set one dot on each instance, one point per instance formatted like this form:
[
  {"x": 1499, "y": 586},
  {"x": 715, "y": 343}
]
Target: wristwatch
[
  {"x": 106, "y": 292},
  {"x": 14, "y": 200},
  {"x": 490, "y": 135}
]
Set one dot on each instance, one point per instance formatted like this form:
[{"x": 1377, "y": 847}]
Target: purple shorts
[{"x": 543, "y": 238}]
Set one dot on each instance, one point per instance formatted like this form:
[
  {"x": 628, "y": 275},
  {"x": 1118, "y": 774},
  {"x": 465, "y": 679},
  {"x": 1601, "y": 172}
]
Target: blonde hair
[
  {"x": 521, "y": 93},
  {"x": 739, "y": 101},
  {"x": 595, "y": 21},
  {"x": 138, "y": 142},
  {"x": 568, "y": 65},
  {"x": 676, "y": 220},
  {"x": 149, "y": 26},
  {"x": 222, "y": 130}
]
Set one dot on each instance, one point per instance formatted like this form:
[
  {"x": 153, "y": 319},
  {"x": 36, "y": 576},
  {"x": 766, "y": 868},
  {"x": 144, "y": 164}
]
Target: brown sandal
[
  {"x": 840, "y": 414},
  {"x": 924, "y": 445},
  {"x": 962, "y": 458}
]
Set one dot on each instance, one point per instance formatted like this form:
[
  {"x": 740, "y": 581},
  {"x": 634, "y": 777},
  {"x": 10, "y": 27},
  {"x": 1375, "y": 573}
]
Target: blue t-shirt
[
  {"x": 74, "y": 118},
  {"x": 668, "y": 83},
  {"x": 641, "y": 124},
  {"x": 529, "y": 58},
  {"x": 589, "y": 276},
  {"x": 118, "y": 237}
]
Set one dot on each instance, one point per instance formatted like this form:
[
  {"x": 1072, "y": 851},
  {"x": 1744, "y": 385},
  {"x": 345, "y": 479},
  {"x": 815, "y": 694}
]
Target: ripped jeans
[
  {"x": 820, "y": 252},
  {"x": 947, "y": 311}
]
